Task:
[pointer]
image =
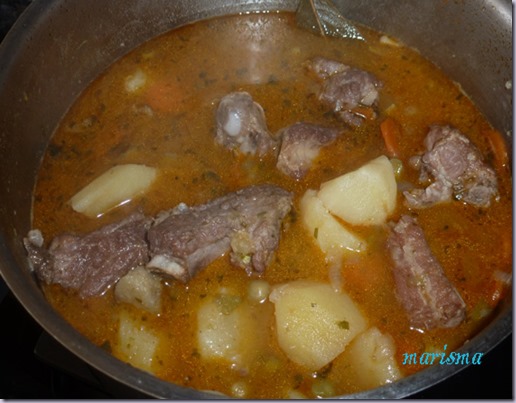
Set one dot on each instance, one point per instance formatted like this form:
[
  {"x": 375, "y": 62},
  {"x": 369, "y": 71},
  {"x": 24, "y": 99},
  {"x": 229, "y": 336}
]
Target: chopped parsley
[{"x": 343, "y": 324}]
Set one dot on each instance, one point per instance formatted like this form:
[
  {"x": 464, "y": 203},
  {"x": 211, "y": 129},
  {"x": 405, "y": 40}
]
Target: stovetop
[{"x": 34, "y": 366}]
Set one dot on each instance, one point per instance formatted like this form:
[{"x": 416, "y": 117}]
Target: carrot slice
[
  {"x": 164, "y": 96},
  {"x": 499, "y": 148},
  {"x": 391, "y": 132}
]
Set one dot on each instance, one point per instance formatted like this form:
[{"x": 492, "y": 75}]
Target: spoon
[{"x": 322, "y": 17}]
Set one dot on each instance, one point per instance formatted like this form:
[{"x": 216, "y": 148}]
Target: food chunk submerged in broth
[
  {"x": 350, "y": 92},
  {"x": 164, "y": 105},
  {"x": 300, "y": 145},
  {"x": 93, "y": 262},
  {"x": 246, "y": 222},
  {"x": 427, "y": 295},
  {"x": 458, "y": 170},
  {"x": 241, "y": 125}
]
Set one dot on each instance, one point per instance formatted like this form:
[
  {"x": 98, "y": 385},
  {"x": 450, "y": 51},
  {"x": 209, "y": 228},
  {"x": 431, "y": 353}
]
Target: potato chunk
[
  {"x": 135, "y": 81},
  {"x": 314, "y": 323},
  {"x": 116, "y": 186},
  {"x": 365, "y": 196},
  {"x": 140, "y": 288},
  {"x": 229, "y": 328},
  {"x": 330, "y": 235},
  {"x": 136, "y": 344},
  {"x": 371, "y": 359}
]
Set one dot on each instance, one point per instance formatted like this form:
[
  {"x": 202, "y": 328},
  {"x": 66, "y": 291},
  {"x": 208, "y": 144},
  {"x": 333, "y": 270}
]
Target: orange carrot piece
[
  {"x": 391, "y": 132},
  {"x": 164, "y": 96},
  {"x": 499, "y": 148}
]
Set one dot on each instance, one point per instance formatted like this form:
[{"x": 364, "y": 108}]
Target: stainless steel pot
[{"x": 57, "y": 47}]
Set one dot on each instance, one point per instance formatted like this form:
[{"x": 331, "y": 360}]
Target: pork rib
[
  {"x": 245, "y": 223},
  {"x": 457, "y": 168},
  {"x": 93, "y": 262},
  {"x": 241, "y": 125},
  {"x": 429, "y": 298},
  {"x": 300, "y": 145},
  {"x": 350, "y": 92}
]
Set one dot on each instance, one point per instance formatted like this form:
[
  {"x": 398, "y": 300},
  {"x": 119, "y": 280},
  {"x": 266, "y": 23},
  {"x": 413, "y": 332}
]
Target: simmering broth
[{"x": 168, "y": 122}]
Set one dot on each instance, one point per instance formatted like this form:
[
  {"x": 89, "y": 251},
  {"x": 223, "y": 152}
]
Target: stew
[{"x": 229, "y": 326}]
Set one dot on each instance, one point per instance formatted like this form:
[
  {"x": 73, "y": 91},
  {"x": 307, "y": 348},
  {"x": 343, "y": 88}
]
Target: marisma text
[{"x": 442, "y": 358}]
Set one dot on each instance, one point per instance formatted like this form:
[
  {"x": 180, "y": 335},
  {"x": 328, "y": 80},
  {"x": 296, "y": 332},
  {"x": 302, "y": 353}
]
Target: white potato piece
[
  {"x": 229, "y": 328},
  {"x": 314, "y": 323},
  {"x": 331, "y": 236},
  {"x": 135, "y": 81},
  {"x": 116, "y": 186},
  {"x": 295, "y": 394},
  {"x": 136, "y": 344},
  {"x": 365, "y": 196},
  {"x": 371, "y": 355},
  {"x": 140, "y": 288}
]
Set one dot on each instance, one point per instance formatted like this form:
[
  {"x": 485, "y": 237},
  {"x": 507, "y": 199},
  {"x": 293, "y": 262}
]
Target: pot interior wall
[{"x": 58, "y": 47}]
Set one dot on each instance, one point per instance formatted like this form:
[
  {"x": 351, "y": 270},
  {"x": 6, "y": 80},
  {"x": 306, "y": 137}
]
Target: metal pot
[{"x": 57, "y": 47}]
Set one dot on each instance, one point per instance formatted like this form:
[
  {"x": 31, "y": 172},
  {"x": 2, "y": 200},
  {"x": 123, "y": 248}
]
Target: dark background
[{"x": 34, "y": 366}]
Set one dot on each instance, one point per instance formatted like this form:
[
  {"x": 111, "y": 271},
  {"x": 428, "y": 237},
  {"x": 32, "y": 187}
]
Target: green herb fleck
[
  {"x": 210, "y": 175},
  {"x": 195, "y": 353},
  {"x": 227, "y": 303},
  {"x": 343, "y": 324}
]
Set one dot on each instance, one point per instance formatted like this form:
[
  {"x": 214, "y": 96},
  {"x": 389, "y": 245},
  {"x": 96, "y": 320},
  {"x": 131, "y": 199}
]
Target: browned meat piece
[
  {"x": 247, "y": 223},
  {"x": 324, "y": 68},
  {"x": 90, "y": 263},
  {"x": 300, "y": 145},
  {"x": 350, "y": 92},
  {"x": 457, "y": 167},
  {"x": 427, "y": 295},
  {"x": 241, "y": 125}
]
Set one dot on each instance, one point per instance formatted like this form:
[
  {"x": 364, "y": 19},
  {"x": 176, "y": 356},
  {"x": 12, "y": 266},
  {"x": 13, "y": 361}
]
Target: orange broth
[{"x": 169, "y": 124}]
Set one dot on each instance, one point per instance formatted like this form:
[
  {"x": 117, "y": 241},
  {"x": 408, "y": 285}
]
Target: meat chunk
[
  {"x": 93, "y": 262},
  {"x": 350, "y": 92},
  {"x": 429, "y": 298},
  {"x": 325, "y": 68},
  {"x": 241, "y": 125},
  {"x": 245, "y": 223},
  {"x": 457, "y": 168},
  {"x": 300, "y": 145}
]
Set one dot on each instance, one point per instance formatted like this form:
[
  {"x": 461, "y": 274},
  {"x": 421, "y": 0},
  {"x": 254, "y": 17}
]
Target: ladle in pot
[{"x": 321, "y": 16}]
